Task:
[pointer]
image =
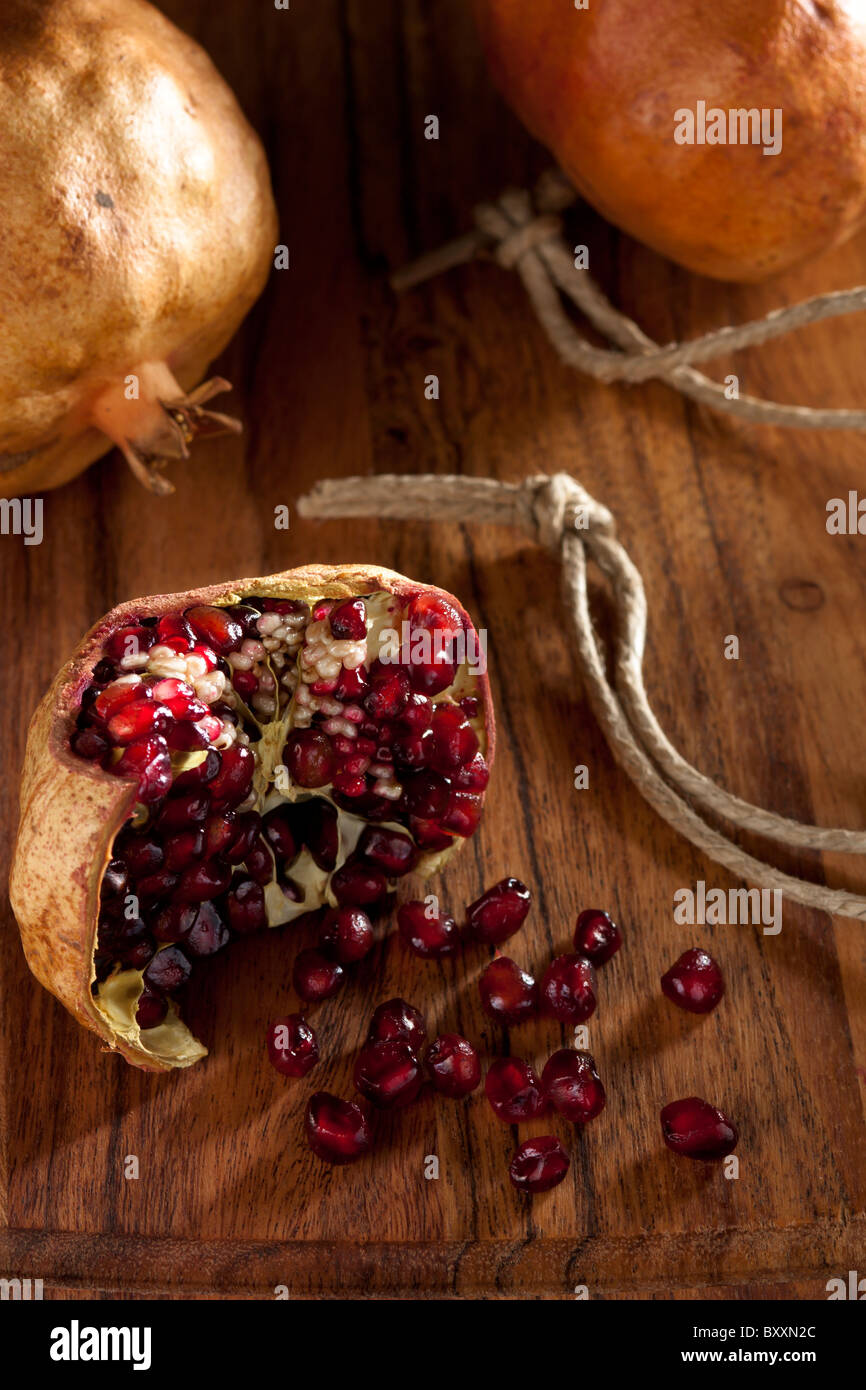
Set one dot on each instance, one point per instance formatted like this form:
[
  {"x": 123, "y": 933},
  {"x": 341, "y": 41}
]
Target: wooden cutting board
[{"x": 727, "y": 524}]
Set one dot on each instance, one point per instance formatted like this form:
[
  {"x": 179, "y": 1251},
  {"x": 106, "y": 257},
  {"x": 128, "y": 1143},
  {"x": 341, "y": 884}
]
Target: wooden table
[{"x": 727, "y": 524}]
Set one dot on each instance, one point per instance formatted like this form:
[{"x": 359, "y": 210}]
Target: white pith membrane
[{"x": 294, "y": 654}]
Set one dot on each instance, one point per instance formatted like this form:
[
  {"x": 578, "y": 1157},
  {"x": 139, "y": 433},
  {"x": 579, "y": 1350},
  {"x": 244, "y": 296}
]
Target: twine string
[
  {"x": 562, "y": 516},
  {"x": 523, "y": 231}
]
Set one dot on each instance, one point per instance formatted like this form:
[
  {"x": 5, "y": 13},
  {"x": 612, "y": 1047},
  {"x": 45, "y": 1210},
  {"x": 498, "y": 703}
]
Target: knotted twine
[
  {"x": 562, "y": 516},
  {"x": 523, "y": 231}
]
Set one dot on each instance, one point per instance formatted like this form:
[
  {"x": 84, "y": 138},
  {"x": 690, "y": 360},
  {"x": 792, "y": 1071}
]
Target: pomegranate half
[
  {"x": 215, "y": 762},
  {"x": 138, "y": 229}
]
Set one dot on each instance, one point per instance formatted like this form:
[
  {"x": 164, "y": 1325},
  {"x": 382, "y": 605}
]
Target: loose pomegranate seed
[
  {"x": 168, "y": 971},
  {"x": 463, "y": 814},
  {"x": 596, "y": 936},
  {"x": 184, "y": 808},
  {"x": 453, "y": 1065},
  {"x": 473, "y": 776},
  {"x": 348, "y": 932},
  {"x": 358, "y": 885},
  {"x": 539, "y": 1164},
  {"x": 151, "y": 1011},
  {"x": 200, "y": 775},
  {"x": 696, "y": 1129},
  {"x": 319, "y": 831},
  {"x": 337, "y": 1130},
  {"x": 694, "y": 982},
  {"x": 454, "y": 741},
  {"x": 202, "y": 881},
  {"x": 388, "y": 1074},
  {"x": 389, "y": 850},
  {"x": 292, "y": 1045},
  {"x": 234, "y": 779},
  {"x": 147, "y": 760},
  {"x": 500, "y": 912},
  {"x": 215, "y": 626},
  {"x": 568, "y": 989},
  {"x": 514, "y": 1090},
  {"x": 428, "y": 932},
  {"x": 388, "y": 693},
  {"x": 508, "y": 994},
  {"x": 89, "y": 744},
  {"x": 427, "y": 795},
  {"x": 316, "y": 977},
  {"x": 245, "y": 905},
  {"x": 349, "y": 620},
  {"x": 309, "y": 756},
  {"x": 571, "y": 1083},
  {"x": 182, "y": 849},
  {"x": 397, "y": 1019}
]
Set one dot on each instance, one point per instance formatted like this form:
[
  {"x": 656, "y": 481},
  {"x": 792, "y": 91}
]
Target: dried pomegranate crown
[{"x": 217, "y": 762}]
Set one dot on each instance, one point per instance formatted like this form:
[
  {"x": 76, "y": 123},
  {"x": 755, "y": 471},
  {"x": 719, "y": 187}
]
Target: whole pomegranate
[
  {"x": 203, "y": 767},
  {"x": 731, "y": 138},
  {"x": 138, "y": 229}
]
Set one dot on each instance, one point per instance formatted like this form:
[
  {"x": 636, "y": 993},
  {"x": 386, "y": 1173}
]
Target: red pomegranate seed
[
  {"x": 136, "y": 956},
  {"x": 337, "y": 1130},
  {"x": 219, "y": 832},
  {"x": 147, "y": 760},
  {"x": 417, "y": 713},
  {"x": 235, "y": 777},
  {"x": 508, "y": 994},
  {"x": 568, "y": 989},
  {"x": 389, "y": 850},
  {"x": 434, "y": 676},
  {"x": 182, "y": 848},
  {"x": 388, "y": 1074},
  {"x": 499, "y": 912},
  {"x": 246, "y": 683},
  {"x": 414, "y": 748},
  {"x": 694, "y": 982},
  {"x": 473, "y": 776},
  {"x": 348, "y": 932},
  {"x": 141, "y": 853},
  {"x": 154, "y": 887},
  {"x": 596, "y": 936},
  {"x": 454, "y": 741},
  {"x": 168, "y": 971},
  {"x": 187, "y": 738},
  {"x": 388, "y": 693},
  {"x": 463, "y": 813},
  {"x": 309, "y": 757},
  {"x": 696, "y": 1129},
  {"x": 180, "y": 645},
  {"x": 293, "y": 1048},
  {"x": 247, "y": 827},
  {"x": 279, "y": 833},
  {"x": 316, "y": 977},
  {"x": 428, "y": 834},
  {"x": 173, "y": 625},
  {"x": 453, "y": 1065},
  {"x": 397, "y": 1019},
  {"x": 184, "y": 808},
  {"x": 203, "y": 880},
  {"x": 245, "y": 905},
  {"x": 180, "y": 698},
  {"x": 201, "y": 774},
  {"x": 174, "y": 921},
  {"x": 115, "y": 882},
  {"x": 129, "y": 641},
  {"x": 208, "y": 933},
  {"x": 469, "y": 705},
  {"x": 351, "y": 784},
  {"x": 428, "y": 932},
  {"x": 427, "y": 795},
  {"x": 151, "y": 1011},
  {"x": 259, "y": 863},
  {"x": 571, "y": 1083},
  {"x": 115, "y": 696},
  {"x": 207, "y": 654},
  {"x": 89, "y": 744},
  {"x": 539, "y": 1164},
  {"x": 514, "y": 1090},
  {"x": 356, "y": 884},
  {"x": 317, "y": 826},
  {"x": 349, "y": 620},
  {"x": 352, "y": 685},
  {"x": 434, "y": 613},
  {"x": 215, "y": 626}
]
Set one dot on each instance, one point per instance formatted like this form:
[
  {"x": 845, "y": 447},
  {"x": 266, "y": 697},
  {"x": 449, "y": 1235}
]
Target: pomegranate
[
  {"x": 427, "y": 931},
  {"x": 388, "y": 1073},
  {"x": 571, "y": 1083},
  {"x": 596, "y": 936},
  {"x": 731, "y": 192},
  {"x": 508, "y": 994},
  {"x": 499, "y": 912},
  {"x": 397, "y": 1019},
  {"x": 568, "y": 989},
  {"x": 139, "y": 228},
  {"x": 453, "y": 1065},
  {"x": 337, "y": 1131},
  {"x": 514, "y": 1090},
  {"x": 539, "y": 1164},
  {"x": 696, "y": 1129},
  {"x": 694, "y": 982},
  {"x": 202, "y": 839},
  {"x": 293, "y": 1048}
]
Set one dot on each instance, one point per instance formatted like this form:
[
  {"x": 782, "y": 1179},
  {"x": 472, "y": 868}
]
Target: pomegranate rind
[
  {"x": 71, "y": 809},
  {"x": 139, "y": 228}
]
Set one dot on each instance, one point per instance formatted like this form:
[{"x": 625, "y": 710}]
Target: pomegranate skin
[
  {"x": 139, "y": 229},
  {"x": 72, "y": 810},
  {"x": 600, "y": 89}
]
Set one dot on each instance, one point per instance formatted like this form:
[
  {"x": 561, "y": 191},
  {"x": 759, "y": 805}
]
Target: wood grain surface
[{"x": 727, "y": 524}]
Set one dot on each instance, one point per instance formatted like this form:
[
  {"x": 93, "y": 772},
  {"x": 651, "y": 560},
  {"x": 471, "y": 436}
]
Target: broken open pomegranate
[{"x": 214, "y": 763}]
